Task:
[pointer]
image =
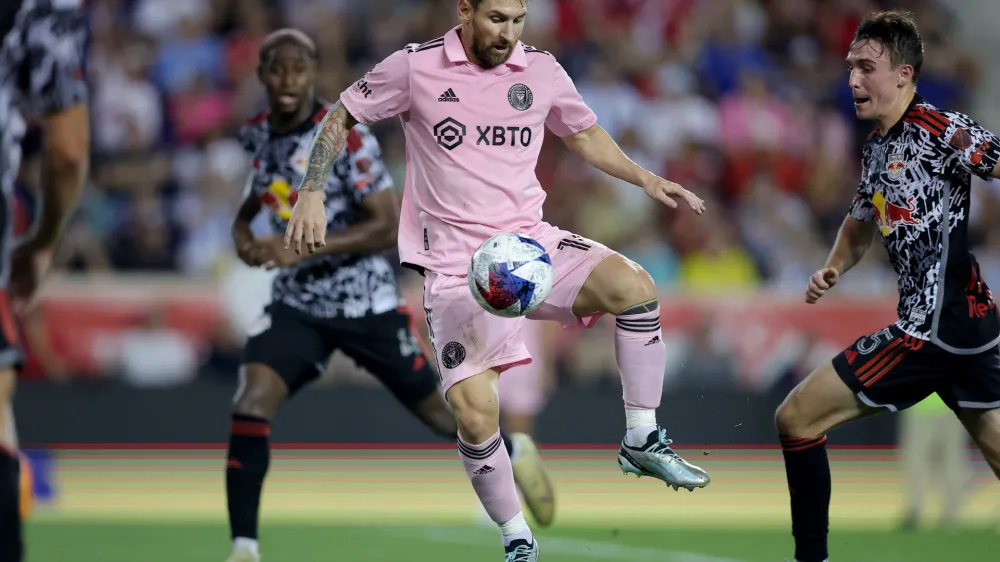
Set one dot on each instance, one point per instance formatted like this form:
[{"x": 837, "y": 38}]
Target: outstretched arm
[
  {"x": 596, "y": 146},
  {"x": 329, "y": 141}
]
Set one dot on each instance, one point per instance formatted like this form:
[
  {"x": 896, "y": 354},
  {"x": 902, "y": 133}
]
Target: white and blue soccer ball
[{"x": 510, "y": 275}]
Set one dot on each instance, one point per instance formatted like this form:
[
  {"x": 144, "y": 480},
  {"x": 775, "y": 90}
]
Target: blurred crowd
[{"x": 743, "y": 101}]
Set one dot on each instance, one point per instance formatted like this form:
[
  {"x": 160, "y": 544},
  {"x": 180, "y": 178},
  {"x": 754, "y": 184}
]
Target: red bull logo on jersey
[
  {"x": 280, "y": 198},
  {"x": 888, "y": 215},
  {"x": 895, "y": 166}
]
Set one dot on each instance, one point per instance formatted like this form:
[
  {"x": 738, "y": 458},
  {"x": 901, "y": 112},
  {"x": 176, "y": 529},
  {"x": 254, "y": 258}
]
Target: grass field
[{"x": 417, "y": 505}]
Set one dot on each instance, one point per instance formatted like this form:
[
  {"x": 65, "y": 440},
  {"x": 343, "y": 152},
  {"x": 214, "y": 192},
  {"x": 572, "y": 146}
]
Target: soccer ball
[{"x": 510, "y": 275}]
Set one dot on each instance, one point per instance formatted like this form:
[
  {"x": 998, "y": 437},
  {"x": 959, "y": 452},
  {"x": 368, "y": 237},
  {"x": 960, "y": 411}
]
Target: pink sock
[
  {"x": 492, "y": 476},
  {"x": 641, "y": 357}
]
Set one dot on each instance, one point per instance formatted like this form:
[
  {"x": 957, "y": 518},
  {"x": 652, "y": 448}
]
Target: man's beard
[{"x": 488, "y": 56}]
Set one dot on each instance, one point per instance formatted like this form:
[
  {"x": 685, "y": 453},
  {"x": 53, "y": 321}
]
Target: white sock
[
  {"x": 240, "y": 543},
  {"x": 514, "y": 529},
  {"x": 639, "y": 424}
]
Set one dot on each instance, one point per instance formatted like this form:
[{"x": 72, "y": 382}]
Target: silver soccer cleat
[{"x": 658, "y": 460}]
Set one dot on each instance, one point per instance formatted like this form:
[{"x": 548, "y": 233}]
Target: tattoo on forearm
[{"x": 326, "y": 148}]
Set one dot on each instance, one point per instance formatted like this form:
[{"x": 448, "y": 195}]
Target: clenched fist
[{"x": 821, "y": 282}]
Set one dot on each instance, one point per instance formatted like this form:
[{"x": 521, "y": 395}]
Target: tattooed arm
[
  {"x": 382, "y": 93},
  {"x": 326, "y": 147},
  {"x": 308, "y": 221}
]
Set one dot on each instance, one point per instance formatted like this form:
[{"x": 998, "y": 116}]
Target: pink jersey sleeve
[
  {"x": 569, "y": 114},
  {"x": 383, "y": 92}
]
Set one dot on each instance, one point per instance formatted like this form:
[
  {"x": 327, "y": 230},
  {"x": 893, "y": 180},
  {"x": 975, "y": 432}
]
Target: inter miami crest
[
  {"x": 452, "y": 355},
  {"x": 520, "y": 97}
]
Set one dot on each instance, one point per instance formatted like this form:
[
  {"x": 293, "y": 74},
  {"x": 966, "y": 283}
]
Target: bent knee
[
  {"x": 792, "y": 420},
  {"x": 784, "y": 419},
  {"x": 435, "y": 413},
  {"x": 631, "y": 287},
  {"x": 477, "y": 413},
  {"x": 261, "y": 392}
]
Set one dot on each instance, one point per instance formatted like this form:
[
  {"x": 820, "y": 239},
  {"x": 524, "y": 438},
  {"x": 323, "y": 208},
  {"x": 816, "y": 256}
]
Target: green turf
[
  {"x": 402, "y": 506},
  {"x": 78, "y": 542}
]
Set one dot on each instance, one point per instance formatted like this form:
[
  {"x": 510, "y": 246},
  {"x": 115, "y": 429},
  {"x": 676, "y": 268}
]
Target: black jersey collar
[{"x": 897, "y": 128}]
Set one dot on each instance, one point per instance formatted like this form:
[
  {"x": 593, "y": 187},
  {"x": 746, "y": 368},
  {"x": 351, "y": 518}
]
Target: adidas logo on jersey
[
  {"x": 486, "y": 469},
  {"x": 448, "y": 95}
]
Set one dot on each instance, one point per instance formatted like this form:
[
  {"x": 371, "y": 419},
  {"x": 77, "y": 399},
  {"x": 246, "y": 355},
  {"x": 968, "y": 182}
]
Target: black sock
[
  {"x": 246, "y": 467},
  {"x": 507, "y": 444},
  {"x": 11, "y": 541},
  {"x": 808, "y": 472}
]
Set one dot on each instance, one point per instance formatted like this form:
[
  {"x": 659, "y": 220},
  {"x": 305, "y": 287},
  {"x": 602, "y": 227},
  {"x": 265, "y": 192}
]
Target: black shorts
[
  {"x": 894, "y": 370},
  {"x": 297, "y": 347}
]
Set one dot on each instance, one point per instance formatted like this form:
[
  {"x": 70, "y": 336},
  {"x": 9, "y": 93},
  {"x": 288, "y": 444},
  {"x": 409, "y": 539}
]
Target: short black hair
[
  {"x": 896, "y": 31},
  {"x": 286, "y": 36}
]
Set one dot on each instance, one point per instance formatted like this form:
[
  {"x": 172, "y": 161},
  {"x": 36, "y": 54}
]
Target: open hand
[
  {"x": 307, "y": 224},
  {"x": 665, "y": 191}
]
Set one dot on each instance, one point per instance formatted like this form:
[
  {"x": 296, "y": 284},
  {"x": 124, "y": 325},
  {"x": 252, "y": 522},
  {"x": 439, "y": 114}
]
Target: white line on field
[{"x": 570, "y": 547}]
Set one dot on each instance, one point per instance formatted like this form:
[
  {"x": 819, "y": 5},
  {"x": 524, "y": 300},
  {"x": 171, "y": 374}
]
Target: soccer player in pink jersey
[{"x": 474, "y": 105}]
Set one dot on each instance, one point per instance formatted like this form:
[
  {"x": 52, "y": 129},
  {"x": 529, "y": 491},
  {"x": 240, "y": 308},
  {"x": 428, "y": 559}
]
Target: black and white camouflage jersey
[
  {"x": 41, "y": 69},
  {"x": 324, "y": 285},
  {"x": 915, "y": 184}
]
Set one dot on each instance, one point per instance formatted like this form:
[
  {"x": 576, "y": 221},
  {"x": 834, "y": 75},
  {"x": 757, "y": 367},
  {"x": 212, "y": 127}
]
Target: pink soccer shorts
[{"x": 467, "y": 340}]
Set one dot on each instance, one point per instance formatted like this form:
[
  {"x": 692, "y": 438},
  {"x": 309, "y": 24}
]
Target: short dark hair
[
  {"x": 287, "y": 36},
  {"x": 896, "y": 31},
  {"x": 475, "y": 4}
]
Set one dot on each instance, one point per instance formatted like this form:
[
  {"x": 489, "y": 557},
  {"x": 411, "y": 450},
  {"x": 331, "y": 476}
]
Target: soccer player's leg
[
  {"x": 591, "y": 280},
  {"x": 472, "y": 348},
  {"x": 522, "y": 392},
  {"x": 524, "y": 389},
  {"x": 984, "y": 427},
  {"x": 886, "y": 371},
  {"x": 973, "y": 390},
  {"x": 283, "y": 353},
  {"x": 11, "y": 540},
  {"x": 387, "y": 347}
]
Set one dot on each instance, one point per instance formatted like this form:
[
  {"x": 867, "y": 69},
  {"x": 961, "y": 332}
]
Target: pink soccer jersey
[{"x": 472, "y": 142}]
